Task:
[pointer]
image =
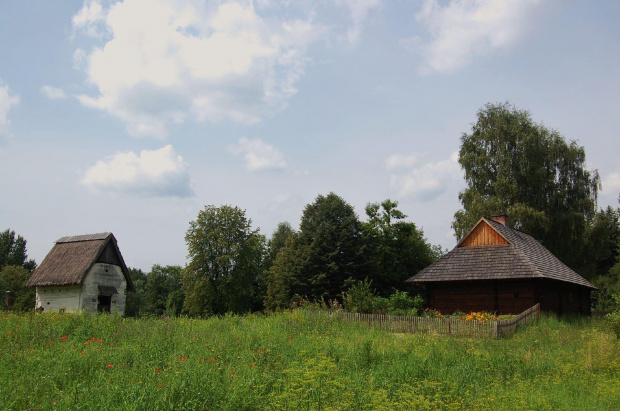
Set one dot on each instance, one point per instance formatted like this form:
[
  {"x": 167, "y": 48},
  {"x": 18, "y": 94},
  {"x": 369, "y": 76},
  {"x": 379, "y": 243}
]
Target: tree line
[{"x": 512, "y": 165}]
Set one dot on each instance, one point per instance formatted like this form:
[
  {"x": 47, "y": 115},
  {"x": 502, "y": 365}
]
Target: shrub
[{"x": 360, "y": 297}]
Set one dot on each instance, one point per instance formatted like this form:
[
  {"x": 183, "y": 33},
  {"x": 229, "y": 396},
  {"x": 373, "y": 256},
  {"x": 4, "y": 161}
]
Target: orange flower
[{"x": 212, "y": 359}]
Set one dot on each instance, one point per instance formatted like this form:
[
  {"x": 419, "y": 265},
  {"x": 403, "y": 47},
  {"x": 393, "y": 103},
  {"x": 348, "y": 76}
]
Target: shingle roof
[
  {"x": 524, "y": 257},
  {"x": 71, "y": 258}
]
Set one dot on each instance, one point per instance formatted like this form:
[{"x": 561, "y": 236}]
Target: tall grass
[{"x": 293, "y": 360}]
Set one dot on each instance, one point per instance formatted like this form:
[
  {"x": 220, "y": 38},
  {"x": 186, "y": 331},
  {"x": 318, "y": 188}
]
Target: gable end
[{"x": 483, "y": 234}]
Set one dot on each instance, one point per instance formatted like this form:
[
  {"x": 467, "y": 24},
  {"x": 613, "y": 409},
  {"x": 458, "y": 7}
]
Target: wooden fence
[{"x": 438, "y": 325}]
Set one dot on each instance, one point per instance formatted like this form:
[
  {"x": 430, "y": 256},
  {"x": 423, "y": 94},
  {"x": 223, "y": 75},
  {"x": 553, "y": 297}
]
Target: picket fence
[{"x": 438, "y": 325}]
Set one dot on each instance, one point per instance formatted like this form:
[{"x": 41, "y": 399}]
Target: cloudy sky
[{"x": 131, "y": 116}]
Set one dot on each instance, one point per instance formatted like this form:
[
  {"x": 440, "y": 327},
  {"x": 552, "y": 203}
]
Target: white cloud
[
  {"x": 359, "y": 10},
  {"x": 169, "y": 60},
  {"x": 152, "y": 173},
  {"x": 258, "y": 155},
  {"x": 90, "y": 18},
  {"x": 428, "y": 181},
  {"x": 79, "y": 56},
  {"x": 611, "y": 185},
  {"x": 462, "y": 30},
  {"x": 7, "y": 100},
  {"x": 402, "y": 161},
  {"x": 53, "y": 93}
]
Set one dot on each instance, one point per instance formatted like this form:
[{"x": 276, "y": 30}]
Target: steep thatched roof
[
  {"x": 72, "y": 257},
  {"x": 523, "y": 257}
]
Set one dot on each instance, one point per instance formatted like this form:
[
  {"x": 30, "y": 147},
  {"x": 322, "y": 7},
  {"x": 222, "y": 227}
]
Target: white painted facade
[{"x": 85, "y": 297}]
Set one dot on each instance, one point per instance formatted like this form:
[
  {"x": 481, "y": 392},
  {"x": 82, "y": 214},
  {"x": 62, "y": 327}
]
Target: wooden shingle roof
[
  {"x": 71, "y": 258},
  {"x": 523, "y": 257}
]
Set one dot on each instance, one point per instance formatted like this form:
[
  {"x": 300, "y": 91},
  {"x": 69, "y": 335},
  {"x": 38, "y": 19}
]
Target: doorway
[{"x": 104, "y": 303}]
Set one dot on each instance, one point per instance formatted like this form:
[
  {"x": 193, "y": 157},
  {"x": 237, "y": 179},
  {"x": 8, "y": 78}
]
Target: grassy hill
[{"x": 292, "y": 360}]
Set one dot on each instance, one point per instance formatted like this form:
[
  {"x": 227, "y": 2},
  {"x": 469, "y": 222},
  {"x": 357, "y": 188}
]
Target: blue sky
[{"x": 131, "y": 116}]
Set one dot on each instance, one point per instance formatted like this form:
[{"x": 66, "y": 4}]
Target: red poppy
[
  {"x": 157, "y": 371},
  {"x": 212, "y": 359},
  {"x": 110, "y": 366},
  {"x": 99, "y": 340},
  {"x": 92, "y": 340},
  {"x": 64, "y": 338}
]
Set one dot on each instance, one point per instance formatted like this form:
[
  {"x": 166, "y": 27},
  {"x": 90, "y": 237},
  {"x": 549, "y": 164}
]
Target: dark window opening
[{"x": 104, "y": 303}]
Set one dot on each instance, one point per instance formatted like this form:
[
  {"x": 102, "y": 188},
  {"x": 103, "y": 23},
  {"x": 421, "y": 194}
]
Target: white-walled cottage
[{"x": 84, "y": 272}]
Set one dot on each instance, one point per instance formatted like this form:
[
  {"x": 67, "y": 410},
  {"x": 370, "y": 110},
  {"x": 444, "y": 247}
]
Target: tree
[
  {"x": 13, "y": 279},
  {"x": 13, "y": 251},
  {"x": 324, "y": 259},
  {"x": 516, "y": 166},
  {"x": 277, "y": 242},
  {"x": 396, "y": 249},
  {"x": 162, "y": 290},
  {"x": 225, "y": 260},
  {"x": 134, "y": 302}
]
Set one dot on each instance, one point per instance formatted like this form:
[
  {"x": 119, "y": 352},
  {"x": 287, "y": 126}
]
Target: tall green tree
[
  {"x": 13, "y": 251},
  {"x": 396, "y": 249},
  {"x": 533, "y": 174},
  {"x": 324, "y": 258},
  {"x": 225, "y": 260},
  {"x": 162, "y": 290}
]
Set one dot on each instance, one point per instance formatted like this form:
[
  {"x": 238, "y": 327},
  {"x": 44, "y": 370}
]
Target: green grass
[{"x": 294, "y": 361}]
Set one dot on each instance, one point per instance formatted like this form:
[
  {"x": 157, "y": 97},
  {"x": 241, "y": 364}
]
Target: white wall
[{"x": 59, "y": 298}]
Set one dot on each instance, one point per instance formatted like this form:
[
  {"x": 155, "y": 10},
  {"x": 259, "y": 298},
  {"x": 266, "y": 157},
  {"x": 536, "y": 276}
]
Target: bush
[
  {"x": 360, "y": 297},
  {"x": 613, "y": 318}
]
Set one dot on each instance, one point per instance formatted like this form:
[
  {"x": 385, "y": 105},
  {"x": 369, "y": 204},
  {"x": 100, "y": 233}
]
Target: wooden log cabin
[
  {"x": 499, "y": 269},
  {"x": 83, "y": 273}
]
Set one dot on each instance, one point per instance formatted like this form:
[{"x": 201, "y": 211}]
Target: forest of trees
[{"x": 512, "y": 165}]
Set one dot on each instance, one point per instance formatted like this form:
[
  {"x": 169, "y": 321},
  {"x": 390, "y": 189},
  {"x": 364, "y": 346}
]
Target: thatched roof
[
  {"x": 523, "y": 257},
  {"x": 72, "y": 257}
]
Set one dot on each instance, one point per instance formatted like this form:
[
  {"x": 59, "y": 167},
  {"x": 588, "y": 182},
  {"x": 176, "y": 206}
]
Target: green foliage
[
  {"x": 135, "y": 302},
  {"x": 226, "y": 258},
  {"x": 360, "y": 297},
  {"x": 162, "y": 283},
  {"x": 516, "y": 166},
  {"x": 13, "y": 251},
  {"x": 324, "y": 258},
  {"x": 613, "y": 318},
  {"x": 13, "y": 281},
  {"x": 294, "y": 360},
  {"x": 396, "y": 249}
]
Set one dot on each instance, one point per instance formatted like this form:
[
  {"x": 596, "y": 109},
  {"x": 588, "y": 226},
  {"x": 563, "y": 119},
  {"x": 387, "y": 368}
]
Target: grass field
[{"x": 294, "y": 361}]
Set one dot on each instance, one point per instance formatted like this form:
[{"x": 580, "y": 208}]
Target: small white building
[{"x": 84, "y": 272}]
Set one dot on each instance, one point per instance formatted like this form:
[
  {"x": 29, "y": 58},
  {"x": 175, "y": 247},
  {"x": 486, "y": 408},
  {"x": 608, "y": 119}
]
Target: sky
[{"x": 131, "y": 116}]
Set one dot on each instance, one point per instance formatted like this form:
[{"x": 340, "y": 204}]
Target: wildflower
[
  {"x": 158, "y": 371},
  {"x": 237, "y": 341},
  {"x": 212, "y": 359},
  {"x": 18, "y": 329},
  {"x": 232, "y": 373},
  {"x": 336, "y": 371},
  {"x": 63, "y": 338},
  {"x": 110, "y": 366},
  {"x": 92, "y": 340},
  {"x": 99, "y": 340}
]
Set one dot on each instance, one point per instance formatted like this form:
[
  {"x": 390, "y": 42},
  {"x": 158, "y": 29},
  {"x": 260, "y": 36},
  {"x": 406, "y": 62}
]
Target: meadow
[{"x": 292, "y": 360}]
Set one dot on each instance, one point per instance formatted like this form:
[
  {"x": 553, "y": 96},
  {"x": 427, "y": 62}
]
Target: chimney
[{"x": 500, "y": 218}]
